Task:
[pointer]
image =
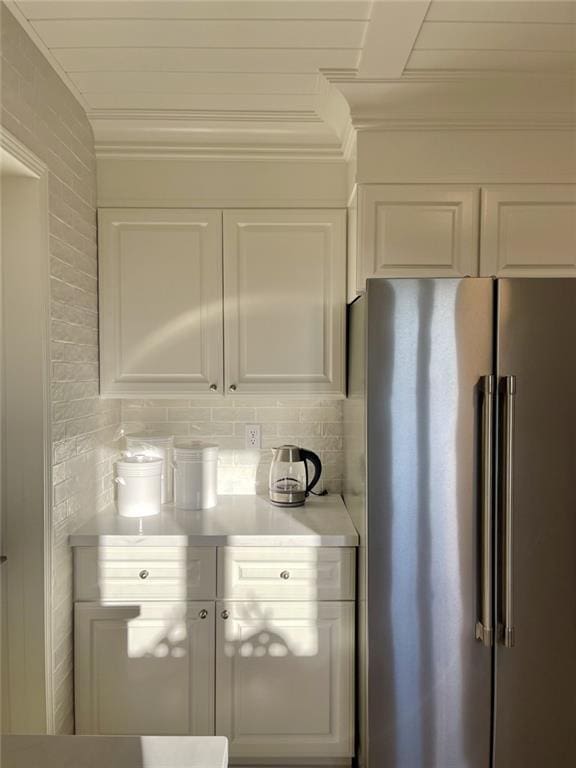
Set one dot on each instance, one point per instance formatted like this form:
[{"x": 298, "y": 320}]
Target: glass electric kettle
[{"x": 288, "y": 480}]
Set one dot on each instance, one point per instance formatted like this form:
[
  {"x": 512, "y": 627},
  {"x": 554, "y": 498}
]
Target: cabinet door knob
[
  {"x": 285, "y": 575},
  {"x": 213, "y": 387},
  {"x": 232, "y": 388},
  {"x": 225, "y": 615},
  {"x": 203, "y": 613},
  {"x": 144, "y": 574}
]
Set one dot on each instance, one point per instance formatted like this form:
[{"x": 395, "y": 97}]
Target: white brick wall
[
  {"x": 40, "y": 111},
  {"x": 311, "y": 422}
]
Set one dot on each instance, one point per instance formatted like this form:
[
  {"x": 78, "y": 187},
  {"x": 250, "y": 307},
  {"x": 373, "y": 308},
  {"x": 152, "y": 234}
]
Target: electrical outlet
[{"x": 252, "y": 436}]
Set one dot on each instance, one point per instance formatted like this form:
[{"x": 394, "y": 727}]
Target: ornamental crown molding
[
  {"x": 458, "y": 101},
  {"x": 457, "y": 122},
  {"x": 218, "y": 152},
  {"x": 201, "y": 115}
]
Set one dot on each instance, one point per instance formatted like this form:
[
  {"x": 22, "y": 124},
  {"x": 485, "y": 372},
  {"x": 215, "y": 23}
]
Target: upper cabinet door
[
  {"x": 160, "y": 302},
  {"x": 417, "y": 231},
  {"x": 529, "y": 230},
  {"x": 284, "y": 289}
]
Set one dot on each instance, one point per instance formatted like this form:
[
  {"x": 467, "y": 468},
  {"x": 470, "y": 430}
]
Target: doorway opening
[{"x": 25, "y": 479}]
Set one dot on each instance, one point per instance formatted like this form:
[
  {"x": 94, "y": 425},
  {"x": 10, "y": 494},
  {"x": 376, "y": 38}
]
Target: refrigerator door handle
[
  {"x": 507, "y": 458},
  {"x": 484, "y": 627}
]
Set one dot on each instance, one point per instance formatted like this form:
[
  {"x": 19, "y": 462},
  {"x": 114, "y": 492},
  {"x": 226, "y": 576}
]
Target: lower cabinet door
[
  {"x": 144, "y": 669},
  {"x": 285, "y": 678}
]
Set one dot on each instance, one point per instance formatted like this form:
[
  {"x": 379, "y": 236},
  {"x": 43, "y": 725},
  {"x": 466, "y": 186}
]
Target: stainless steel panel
[
  {"x": 354, "y": 493},
  {"x": 429, "y": 344},
  {"x": 536, "y": 679}
]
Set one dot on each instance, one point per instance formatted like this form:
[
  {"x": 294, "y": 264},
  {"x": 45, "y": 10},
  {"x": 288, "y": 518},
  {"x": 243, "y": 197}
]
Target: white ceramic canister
[
  {"x": 195, "y": 475},
  {"x": 139, "y": 480},
  {"x": 160, "y": 446}
]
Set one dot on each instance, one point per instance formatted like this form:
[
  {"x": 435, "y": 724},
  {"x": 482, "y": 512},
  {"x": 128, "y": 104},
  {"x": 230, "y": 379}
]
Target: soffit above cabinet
[{"x": 292, "y": 78}]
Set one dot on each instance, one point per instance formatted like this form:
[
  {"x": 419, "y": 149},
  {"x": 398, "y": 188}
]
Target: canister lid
[
  {"x": 132, "y": 466},
  {"x": 195, "y": 451}
]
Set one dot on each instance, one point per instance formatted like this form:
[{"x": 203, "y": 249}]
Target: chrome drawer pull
[
  {"x": 225, "y": 615},
  {"x": 203, "y": 613},
  {"x": 285, "y": 575},
  {"x": 144, "y": 574}
]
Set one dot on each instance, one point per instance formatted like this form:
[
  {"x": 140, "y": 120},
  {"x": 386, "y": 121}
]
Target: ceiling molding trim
[
  {"x": 349, "y": 142},
  {"x": 232, "y": 202},
  {"x": 420, "y": 76},
  {"x": 20, "y": 17},
  {"x": 220, "y": 152},
  {"x": 484, "y": 122},
  {"x": 449, "y": 76},
  {"x": 201, "y": 115}
]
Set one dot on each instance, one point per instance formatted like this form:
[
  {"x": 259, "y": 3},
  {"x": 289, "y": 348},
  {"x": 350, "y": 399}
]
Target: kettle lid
[{"x": 290, "y": 453}]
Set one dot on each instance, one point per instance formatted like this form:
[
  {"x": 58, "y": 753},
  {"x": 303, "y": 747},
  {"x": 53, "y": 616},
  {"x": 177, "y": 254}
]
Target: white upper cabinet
[
  {"x": 416, "y": 231},
  {"x": 284, "y": 301},
  {"x": 529, "y": 231},
  {"x": 160, "y": 302},
  {"x": 165, "y": 304}
]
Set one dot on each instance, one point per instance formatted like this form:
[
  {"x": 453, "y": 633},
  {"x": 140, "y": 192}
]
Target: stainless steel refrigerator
[{"x": 460, "y": 473}]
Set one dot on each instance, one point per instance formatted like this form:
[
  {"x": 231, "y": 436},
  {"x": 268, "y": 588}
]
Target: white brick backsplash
[
  {"x": 271, "y": 415},
  {"x": 78, "y": 334},
  {"x": 72, "y": 314},
  {"x": 211, "y": 428},
  {"x": 334, "y": 428},
  {"x": 293, "y": 429},
  {"x": 234, "y": 414},
  {"x": 74, "y": 372},
  {"x": 312, "y": 422},
  {"x": 39, "y": 110},
  {"x": 322, "y": 414},
  {"x": 188, "y": 414}
]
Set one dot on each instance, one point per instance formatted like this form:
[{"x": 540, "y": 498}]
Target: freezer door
[
  {"x": 429, "y": 687},
  {"x": 535, "y": 713}
]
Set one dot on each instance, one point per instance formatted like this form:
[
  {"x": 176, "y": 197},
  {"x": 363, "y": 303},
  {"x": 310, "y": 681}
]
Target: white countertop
[
  {"x": 241, "y": 521},
  {"x": 114, "y": 752}
]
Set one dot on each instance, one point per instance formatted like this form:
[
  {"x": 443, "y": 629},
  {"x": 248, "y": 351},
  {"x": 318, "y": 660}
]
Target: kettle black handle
[{"x": 310, "y": 456}]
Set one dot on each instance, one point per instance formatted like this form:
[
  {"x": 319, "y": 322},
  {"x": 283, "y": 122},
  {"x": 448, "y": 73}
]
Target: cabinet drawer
[
  {"x": 120, "y": 574},
  {"x": 286, "y": 573}
]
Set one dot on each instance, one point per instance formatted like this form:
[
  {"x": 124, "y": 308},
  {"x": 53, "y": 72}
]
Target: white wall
[
  {"x": 39, "y": 110},
  {"x": 152, "y": 181}
]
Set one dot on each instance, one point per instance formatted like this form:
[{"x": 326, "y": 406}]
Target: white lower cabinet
[
  {"x": 144, "y": 669},
  {"x": 285, "y": 678},
  {"x": 270, "y": 664}
]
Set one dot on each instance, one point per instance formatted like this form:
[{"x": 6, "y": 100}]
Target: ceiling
[{"x": 290, "y": 77}]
